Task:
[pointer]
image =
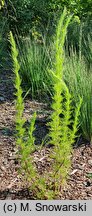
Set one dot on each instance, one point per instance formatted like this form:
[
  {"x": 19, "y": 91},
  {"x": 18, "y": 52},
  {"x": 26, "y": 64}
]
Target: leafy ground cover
[{"x": 12, "y": 186}]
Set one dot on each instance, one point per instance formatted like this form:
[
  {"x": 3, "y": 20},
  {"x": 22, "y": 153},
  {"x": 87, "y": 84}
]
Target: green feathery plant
[
  {"x": 25, "y": 142},
  {"x": 62, "y": 127},
  {"x": 26, "y": 147}
]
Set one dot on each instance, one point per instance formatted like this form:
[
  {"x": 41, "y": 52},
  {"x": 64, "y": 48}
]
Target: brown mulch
[{"x": 79, "y": 184}]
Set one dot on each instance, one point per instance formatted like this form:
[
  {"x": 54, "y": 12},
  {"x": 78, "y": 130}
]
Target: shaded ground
[{"x": 79, "y": 184}]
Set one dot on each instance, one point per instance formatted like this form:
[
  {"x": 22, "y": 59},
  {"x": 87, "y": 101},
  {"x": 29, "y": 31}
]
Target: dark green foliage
[
  {"x": 3, "y": 41},
  {"x": 26, "y": 14},
  {"x": 37, "y": 15}
]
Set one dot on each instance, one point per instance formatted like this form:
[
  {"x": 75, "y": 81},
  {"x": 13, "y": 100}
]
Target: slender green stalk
[
  {"x": 25, "y": 142},
  {"x": 19, "y": 104},
  {"x": 61, "y": 134},
  {"x": 25, "y": 147},
  {"x": 62, "y": 127}
]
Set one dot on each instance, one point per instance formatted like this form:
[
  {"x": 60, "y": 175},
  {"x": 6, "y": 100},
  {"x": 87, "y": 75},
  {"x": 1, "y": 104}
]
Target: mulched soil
[{"x": 79, "y": 184}]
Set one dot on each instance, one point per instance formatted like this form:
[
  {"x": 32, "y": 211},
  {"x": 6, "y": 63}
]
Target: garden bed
[{"x": 12, "y": 186}]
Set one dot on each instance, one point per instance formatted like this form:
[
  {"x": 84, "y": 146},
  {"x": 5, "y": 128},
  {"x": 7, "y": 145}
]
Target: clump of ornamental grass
[
  {"x": 79, "y": 80},
  {"x": 34, "y": 60},
  {"x": 62, "y": 126}
]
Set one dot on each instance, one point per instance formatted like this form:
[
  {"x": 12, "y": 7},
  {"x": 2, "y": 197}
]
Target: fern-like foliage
[
  {"x": 19, "y": 104},
  {"x": 25, "y": 145},
  {"x": 25, "y": 140},
  {"x": 62, "y": 127}
]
